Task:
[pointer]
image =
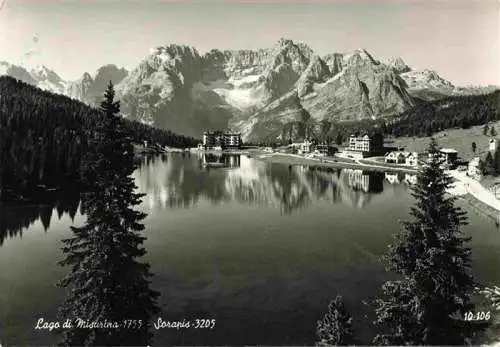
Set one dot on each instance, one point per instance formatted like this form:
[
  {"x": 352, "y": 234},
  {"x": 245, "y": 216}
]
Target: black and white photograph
[{"x": 250, "y": 173}]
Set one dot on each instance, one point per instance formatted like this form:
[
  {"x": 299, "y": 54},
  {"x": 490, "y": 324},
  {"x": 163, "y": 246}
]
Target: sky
[{"x": 460, "y": 39}]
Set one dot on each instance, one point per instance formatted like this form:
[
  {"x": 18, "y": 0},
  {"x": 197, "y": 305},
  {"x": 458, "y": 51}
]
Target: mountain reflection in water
[
  {"x": 183, "y": 180},
  {"x": 265, "y": 277},
  {"x": 16, "y": 218}
]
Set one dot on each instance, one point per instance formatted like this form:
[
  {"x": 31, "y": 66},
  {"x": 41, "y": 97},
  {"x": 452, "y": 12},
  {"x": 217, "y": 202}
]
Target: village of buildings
[
  {"x": 361, "y": 152},
  {"x": 363, "y": 149}
]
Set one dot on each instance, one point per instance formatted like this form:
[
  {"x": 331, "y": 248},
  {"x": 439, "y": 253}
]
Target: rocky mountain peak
[
  {"x": 86, "y": 77},
  {"x": 90, "y": 87},
  {"x": 430, "y": 74},
  {"x": 41, "y": 72},
  {"x": 359, "y": 57},
  {"x": 290, "y": 56},
  {"x": 287, "y": 45},
  {"x": 178, "y": 59},
  {"x": 18, "y": 72},
  {"x": 363, "y": 53},
  {"x": 426, "y": 79},
  {"x": 109, "y": 69},
  {"x": 47, "y": 79},
  {"x": 334, "y": 61},
  {"x": 173, "y": 51},
  {"x": 216, "y": 56},
  {"x": 101, "y": 77},
  {"x": 398, "y": 64},
  {"x": 283, "y": 42},
  {"x": 316, "y": 72},
  {"x": 258, "y": 92}
]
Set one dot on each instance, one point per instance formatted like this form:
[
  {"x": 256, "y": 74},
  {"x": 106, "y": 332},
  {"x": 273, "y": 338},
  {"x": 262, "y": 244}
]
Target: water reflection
[
  {"x": 242, "y": 266},
  {"x": 218, "y": 160},
  {"x": 14, "y": 218},
  {"x": 177, "y": 181},
  {"x": 184, "y": 180},
  {"x": 399, "y": 177}
]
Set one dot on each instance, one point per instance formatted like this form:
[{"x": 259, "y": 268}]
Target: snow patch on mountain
[
  {"x": 257, "y": 92},
  {"x": 425, "y": 79},
  {"x": 48, "y": 80},
  {"x": 319, "y": 86},
  {"x": 239, "y": 98},
  {"x": 245, "y": 80}
]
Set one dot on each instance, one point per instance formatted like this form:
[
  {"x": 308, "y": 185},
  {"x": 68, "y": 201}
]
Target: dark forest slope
[
  {"x": 450, "y": 112},
  {"x": 44, "y": 136}
]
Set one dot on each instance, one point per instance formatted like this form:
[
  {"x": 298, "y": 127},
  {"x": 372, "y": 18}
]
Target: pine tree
[
  {"x": 485, "y": 130},
  {"x": 336, "y": 326},
  {"x": 496, "y": 162},
  {"x": 44, "y": 137},
  {"x": 426, "y": 306},
  {"x": 106, "y": 281},
  {"x": 493, "y": 295},
  {"x": 339, "y": 139},
  {"x": 488, "y": 166}
]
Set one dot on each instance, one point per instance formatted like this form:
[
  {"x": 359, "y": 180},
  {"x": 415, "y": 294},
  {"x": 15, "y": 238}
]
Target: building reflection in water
[
  {"x": 410, "y": 179},
  {"x": 223, "y": 160},
  {"x": 183, "y": 181},
  {"x": 393, "y": 177},
  {"x": 177, "y": 181},
  {"x": 399, "y": 177},
  {"x": 180, "y": 181},
  {"x": 368, "y": 182}
]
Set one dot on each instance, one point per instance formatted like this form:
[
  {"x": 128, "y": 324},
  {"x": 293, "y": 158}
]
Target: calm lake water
[{"x": 259, "y": 247}]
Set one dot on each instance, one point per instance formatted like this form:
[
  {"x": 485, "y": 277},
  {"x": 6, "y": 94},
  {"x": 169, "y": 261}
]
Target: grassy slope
[{"x": 459, "y": 139}]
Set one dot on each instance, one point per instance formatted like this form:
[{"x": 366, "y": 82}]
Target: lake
[{"x": 257, "y": 246}]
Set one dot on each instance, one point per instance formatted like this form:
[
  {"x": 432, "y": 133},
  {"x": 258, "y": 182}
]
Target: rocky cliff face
[
  {"x": 427, "y": 84},
  {"x": 80, "y": 88},
  {"x": 259, "y": 92},
  {"x": 362, "y": 88},
  {"x": 263, "y": 93},
  {"x": 425, "y": 79},
  {"x": 90, "y": 89},
  {"x": 398, "y": 65},
  {"x": 17, "y": 72},
  {"x": 48, "y": 80},
  {"x": 161, "y": 91}
]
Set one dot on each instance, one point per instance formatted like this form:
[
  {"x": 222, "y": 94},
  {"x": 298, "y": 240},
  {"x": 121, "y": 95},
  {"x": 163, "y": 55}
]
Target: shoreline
[
  {"x": 293, "y": 159},
  {"x": 235, "y": 151},
  {"x": 460, "y": 189},
  {"x": 479, "y": 207}
]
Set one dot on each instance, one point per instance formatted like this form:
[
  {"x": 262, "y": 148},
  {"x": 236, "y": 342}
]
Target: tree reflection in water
[
  {"x": 181, "y": 181},
  {"x": 176, "y": 181},
  {"x": 16, "y": 218}
]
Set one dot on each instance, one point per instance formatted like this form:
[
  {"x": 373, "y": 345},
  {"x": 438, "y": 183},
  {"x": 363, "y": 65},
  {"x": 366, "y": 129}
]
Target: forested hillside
[
  {"x": 44, "y": 136},
  {"x": 452, "y": 112}
]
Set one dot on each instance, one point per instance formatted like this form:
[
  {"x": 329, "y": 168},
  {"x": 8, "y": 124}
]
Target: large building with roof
[
  {"x": 222, "y": 140},
  {"x": 449, "y": 156},
  {"x": 365, "y": 145}
]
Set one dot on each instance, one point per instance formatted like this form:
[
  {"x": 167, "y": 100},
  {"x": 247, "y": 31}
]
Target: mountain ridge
[{"x": 258, "y": 92}]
